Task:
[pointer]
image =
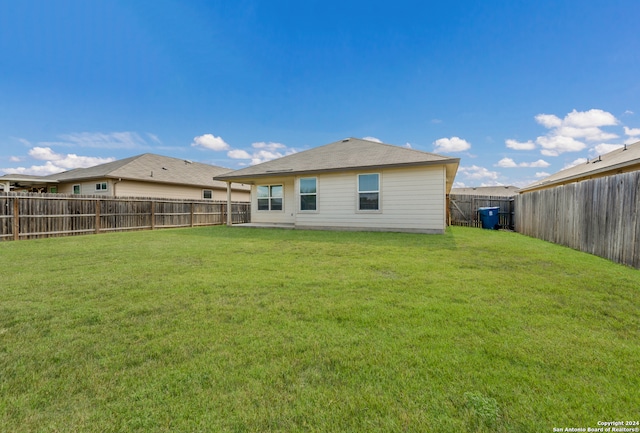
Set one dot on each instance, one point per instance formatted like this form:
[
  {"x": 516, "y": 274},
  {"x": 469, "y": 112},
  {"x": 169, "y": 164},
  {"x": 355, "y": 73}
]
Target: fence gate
[{"x": 463, "y": 209}]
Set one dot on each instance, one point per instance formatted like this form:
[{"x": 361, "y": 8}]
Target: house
[
  {"x": 25, "y": 182},
  {"x": 622, "y": 160},
  {"x": 147, "y": 175},
  {"x": 351, "y": 184},
  {"x": 487, "y": 191}
]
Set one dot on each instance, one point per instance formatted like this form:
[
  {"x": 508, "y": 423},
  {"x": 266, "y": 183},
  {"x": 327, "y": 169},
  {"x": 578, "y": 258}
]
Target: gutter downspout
[{"x": 115, "y": 182}]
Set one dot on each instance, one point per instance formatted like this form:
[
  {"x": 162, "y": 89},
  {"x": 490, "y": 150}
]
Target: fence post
[
  {"x": 153, "y": 214},
  {"x": 192, "y": 204},
  {"x": 97, "y": 223},
  {"x": 16, "y": 219}
]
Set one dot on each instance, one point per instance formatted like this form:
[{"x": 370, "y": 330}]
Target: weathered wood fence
[
  {"x": 599, "y": 216},
  {"x": 31, "y": 215},
  {"x": 463, "y": 209}
]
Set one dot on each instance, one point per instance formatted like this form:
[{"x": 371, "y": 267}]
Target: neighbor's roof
[
  {"x": 494, "y": 191},
  {"x": 613, "y": 162},
  {"x": 149, "y": 167},
  {"x": 26, "y": 178},
  {"x": 22, "y": 180},
  {"x": 347, "y": 154}
]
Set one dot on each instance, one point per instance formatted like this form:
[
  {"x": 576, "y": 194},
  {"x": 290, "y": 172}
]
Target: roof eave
[
  {"x": 280, "y": 173},
  {"x": 134, "y": 179},
  {"x": 577, "y": 177}
]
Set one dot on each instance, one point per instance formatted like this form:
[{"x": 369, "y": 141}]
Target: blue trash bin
[{"x": 490, "y": 217}]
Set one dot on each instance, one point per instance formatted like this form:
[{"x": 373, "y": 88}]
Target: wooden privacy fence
[
  {"x": 463, "y": 209},
  {"x": 30, "y": 215},
  {"x": 598, "y": 216}
]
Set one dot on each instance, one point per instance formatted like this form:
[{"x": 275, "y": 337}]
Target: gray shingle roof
[
  {"x": 494, "y": 191},
  {"x": 602, "y": 165},
  {"x": 26, "y": 178},
  {"x": 347, "y": 154},
  {"x": 149, "y": 167}
]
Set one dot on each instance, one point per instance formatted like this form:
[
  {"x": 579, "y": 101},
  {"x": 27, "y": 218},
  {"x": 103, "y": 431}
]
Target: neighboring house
[
  {"x": 351, "y": 184},
  {"x": 25, "y": 182},
  {"x": 147, "y": 175},
  {"x": 622, "y": 160},
  {"x": 487, "y": 191}
]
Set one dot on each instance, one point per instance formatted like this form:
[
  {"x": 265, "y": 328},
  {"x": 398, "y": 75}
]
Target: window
[
  {"x": 102, "y": 186},
  {"x": 76, "y": 189},
  {"x": 369, "y": 192},
  {"x": 308, "y": 193},
  {"x": 53, "y": 190},
  {"x": 207, "y": 194},
  {"x": 270, "y": 197}
]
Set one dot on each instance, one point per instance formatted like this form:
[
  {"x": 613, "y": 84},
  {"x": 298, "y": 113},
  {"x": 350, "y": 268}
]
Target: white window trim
[
  {"x": 379, "y": 191},
  {"x": 73, "y": 189},
  {"x": 300, "y": 194},
  {"x": 269, "y": 197},
  {"x": 205, "y": 190},
  {"x": 106, "y": 186}
]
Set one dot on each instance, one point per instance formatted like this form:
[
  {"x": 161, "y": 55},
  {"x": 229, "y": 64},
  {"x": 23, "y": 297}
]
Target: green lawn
[{"x": 248, "y": 330}]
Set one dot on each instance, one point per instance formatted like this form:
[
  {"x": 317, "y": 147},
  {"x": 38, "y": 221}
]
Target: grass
[{"x": 247, "y": 330}]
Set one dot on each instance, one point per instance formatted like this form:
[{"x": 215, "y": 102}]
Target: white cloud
[
  {"x": 541, "y": 163},
  {"x": 567, "y": 134},
  {"x": 264, "y": 156},
  {"x": 632, "y": 132},
  {"x": 516, "y": 145},
  {"x": 554, "y": 145},
  {"x": 36, "y": 170},
  {"x": 510, "y": 163},
  {"x": 541, "y": 174},
  {"x": 238, "y": 154},
  {"x": 591, "y": 133},
  {"x": 66, "y": 161},
  {"x": 436, "y": 121},
  {"x": 377, "y": 140},
  {"x": 408, "y": 145},
  {"x": 43, "y": 153},
  {"x": 603, "y": 148},
  {"x": 507, "y": 163},
  {"x": 453, "y": 144},
  {"x": 263, "y": 152},
  {"x": 475, "y": 172},
  {"x": 548, "y": 120},
  {"x": 111, "y": 140},
  {"x": 15, "y": 159},
  {"x": 268, "y": 146},
  {"x": 588, "y": 119},
  {"x": 211, "y": 142},
  {"x": 56, "y": 162},
  {"x": 154, "y": 137},
  {"x": 269, "y": 151},
  {"x": 575, "y": 162}
]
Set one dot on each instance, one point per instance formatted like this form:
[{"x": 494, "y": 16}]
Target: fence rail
[
  {"x": 31, "y": 215},
  {"x": 598, "y": 216},
  {"x": 463, "y": 209}
]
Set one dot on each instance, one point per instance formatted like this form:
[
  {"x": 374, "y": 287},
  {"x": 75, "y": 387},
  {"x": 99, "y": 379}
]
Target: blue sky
[{"x": 517, "y": 90}]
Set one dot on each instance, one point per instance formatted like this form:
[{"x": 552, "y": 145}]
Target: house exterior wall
[
  {"x": 286, "y": 215},
  {"x": 411, "y": 199},
  {"x": 128, "y": 188},
  {"x": 86, "y": 187}
]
